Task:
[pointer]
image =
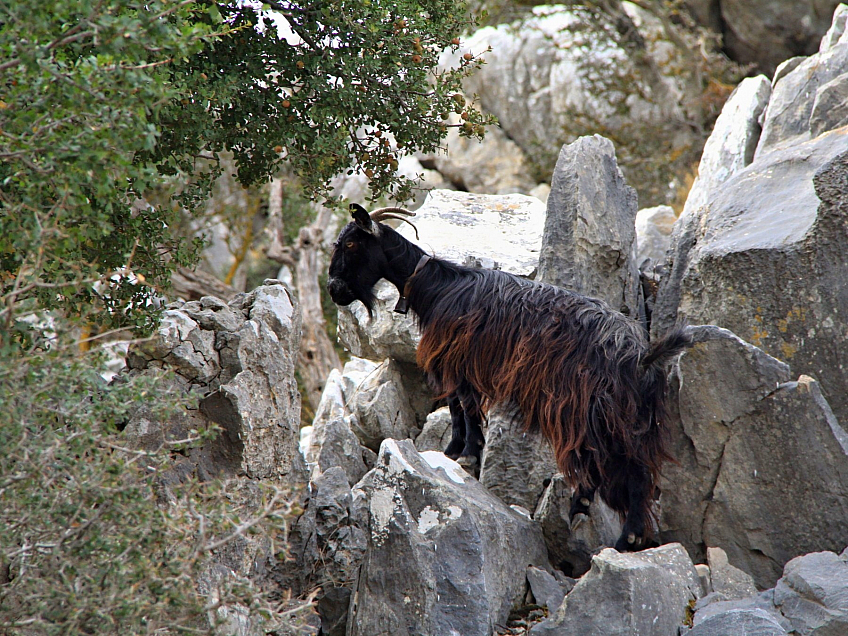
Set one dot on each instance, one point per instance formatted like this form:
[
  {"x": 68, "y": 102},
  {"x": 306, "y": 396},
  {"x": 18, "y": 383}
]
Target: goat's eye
[{"x": 350, "y": 245}]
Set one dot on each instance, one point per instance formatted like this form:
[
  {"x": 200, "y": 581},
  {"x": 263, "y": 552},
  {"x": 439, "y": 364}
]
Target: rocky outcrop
[
  {"x": 589, "y": 240},
  {"x": 361, "y": 406},
  {"x": 442, "y": 552},
  {"x": 810, "y": 598},
  {"x": 808, "y": 95},
  {"x": 653, "y": 233},
  {"x": 537, "y": 77},
  {"x": 762, "y": 462},
  {"x": 493, "y": 165},
  {"x": 240, "y": 356},
  {"x": 758, "y": 251},
  {"x": 728, "y": 150},
  {"x": 571, "y": 545},
  {"x": 233, "y": 363},
  {"x": 766, "y": 32},
  {"x": 517, "y": 466}
]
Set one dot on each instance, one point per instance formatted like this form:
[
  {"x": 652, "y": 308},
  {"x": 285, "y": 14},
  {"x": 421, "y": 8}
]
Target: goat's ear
[{"x": 361, "y": 218}]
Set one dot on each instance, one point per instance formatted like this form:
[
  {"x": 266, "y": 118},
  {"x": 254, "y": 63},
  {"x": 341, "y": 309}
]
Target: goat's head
[{"x": 359, "y": 259}]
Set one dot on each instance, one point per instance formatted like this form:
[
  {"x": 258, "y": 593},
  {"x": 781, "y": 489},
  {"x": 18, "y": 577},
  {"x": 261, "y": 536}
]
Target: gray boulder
[
  {"x": 813, "y": 594},
  {"x": 493, "y": 165},
  {"x": 644, "y": 593},
  {"x": 571, "y": 547},
  {"x": 382, "y": 407},
  {"x": 729, "y": 149},
  {"x": 811, "y": 598},
  {"x": 436, "y": 433},
  {"x": 762, "y": 460},
  {"x": 241, "y": 355},
  {"x": 653, "y": 233},
  {"x": 780, "y": 216},
  {"x": 727, "y": 581},
  {"x": 747, "y": 621},
  {"x": 589, "y": 240},
  {"x": 327, "y": 544},
  {"x": 536, "y": 79},
  {"x": 443, "y": 554},
  {"x": 808, "y": 98},
  {"x": 548, "y": 590},
  {"x": 517, "y": 466},
  {"x": 766, "y": 32}
]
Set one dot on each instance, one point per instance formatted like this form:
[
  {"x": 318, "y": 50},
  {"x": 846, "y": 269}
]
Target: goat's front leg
[
  {"x": 457, "y": 443},
  {"x": 474, "y": 439}
]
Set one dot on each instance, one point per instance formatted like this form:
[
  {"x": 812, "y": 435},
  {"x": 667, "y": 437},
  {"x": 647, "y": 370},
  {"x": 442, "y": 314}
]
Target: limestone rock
[
  {"x": 493, "y": 165},
  {"x": 761, "y": 459},
  {"x": 644, "y": 593},
  {"x": 727, "y": 581},
  {"x": 517, "y": 466},
  {"x": 813, "y": 594},
  {"x": 589, "y": 240},
  {"x": 436, "y": 434},
  {"x": 547, "y": 589},
  {"x": 382, "y": 408},
  {"x": 571, "y": 547},
  {"x": 729, "y": 149},
  {"x": 241, "y": 355},
  {"x": 751, "y": 622},
  {"x": 768, "y": 263},
  {"x": 535, "y": 76},
  {"x": 819, "y": 78},
  {"x": 653, "y": 233},
  {"x": 766, "y": 32},
  {"x": 442, "y": 553}
]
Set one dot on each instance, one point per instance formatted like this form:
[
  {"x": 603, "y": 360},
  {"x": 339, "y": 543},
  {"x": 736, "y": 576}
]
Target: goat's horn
[
  {"x": 386, "y": 215},
  {"x": 380, "y": 213}
]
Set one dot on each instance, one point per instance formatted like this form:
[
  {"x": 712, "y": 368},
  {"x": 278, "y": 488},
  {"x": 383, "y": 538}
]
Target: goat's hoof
[
  {"x": 585, "y": 502},
  {"x": 467, "y": 461},
  {"x": 631, "y": 542}
]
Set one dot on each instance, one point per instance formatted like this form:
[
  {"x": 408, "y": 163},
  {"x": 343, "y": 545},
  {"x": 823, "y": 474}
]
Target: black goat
[{"x": 580, "y": 372}]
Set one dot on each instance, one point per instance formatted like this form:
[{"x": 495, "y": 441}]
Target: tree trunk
[{"x": 317, "y": 355}]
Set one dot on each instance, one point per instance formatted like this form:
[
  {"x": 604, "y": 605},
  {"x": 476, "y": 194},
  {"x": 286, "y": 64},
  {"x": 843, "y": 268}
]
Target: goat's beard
[{"x": 343, "y": 295}]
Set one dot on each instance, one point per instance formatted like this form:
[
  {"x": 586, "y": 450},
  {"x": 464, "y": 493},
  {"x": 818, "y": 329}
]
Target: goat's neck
[{"x": 402, "y": 264}]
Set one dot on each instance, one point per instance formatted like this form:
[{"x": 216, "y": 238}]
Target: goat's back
[{"x": 569, "y": 362}]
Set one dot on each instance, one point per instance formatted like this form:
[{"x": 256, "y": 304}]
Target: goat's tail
[{"x": 652, "y": 385}]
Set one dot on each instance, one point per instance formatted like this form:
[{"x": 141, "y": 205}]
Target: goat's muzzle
[{"x": 340, "y": 292}]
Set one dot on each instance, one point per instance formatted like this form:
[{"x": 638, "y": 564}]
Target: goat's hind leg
[
  {"x": 580, "y": 502},
  {"x": 635, "y": 533}
]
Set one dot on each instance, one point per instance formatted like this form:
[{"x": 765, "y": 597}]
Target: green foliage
[
  {"x": 104, "y": 103},
  {"x": 81, "y": 89},
  {"x": 326, "y": 99},
  {"x": 87, "y": 546}
]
